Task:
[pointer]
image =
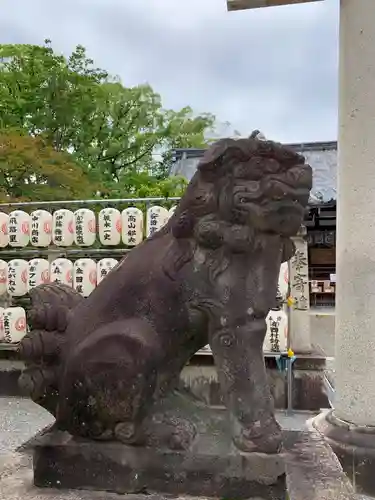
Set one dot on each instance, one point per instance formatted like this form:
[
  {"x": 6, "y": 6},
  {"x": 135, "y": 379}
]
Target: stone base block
[
  {"x": 61, "y": 461},
  {"x": 354, "y": 447},
  {"x": 212, "y": 466}
]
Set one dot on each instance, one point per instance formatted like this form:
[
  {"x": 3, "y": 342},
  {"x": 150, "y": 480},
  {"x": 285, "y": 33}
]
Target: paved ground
[{"x": 20, "y": 419}]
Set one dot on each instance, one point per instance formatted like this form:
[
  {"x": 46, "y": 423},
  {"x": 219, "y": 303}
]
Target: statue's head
[{"x": 250, "y": 183}]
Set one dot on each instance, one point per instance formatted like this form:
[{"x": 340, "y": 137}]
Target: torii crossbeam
[{"x": 254, "y": 4}]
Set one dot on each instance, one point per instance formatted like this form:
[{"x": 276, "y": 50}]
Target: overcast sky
[{"x": 273, "y": 69}]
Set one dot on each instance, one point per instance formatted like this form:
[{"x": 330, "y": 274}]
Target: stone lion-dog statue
[{"x": 102, "y": 364}]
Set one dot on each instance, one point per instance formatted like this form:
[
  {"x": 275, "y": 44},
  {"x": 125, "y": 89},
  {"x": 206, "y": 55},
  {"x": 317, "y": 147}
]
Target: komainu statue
[{"x": 102, "y": 365}]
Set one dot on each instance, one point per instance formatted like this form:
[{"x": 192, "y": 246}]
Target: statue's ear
[
  {"x": 288, "y": 249},
  {"x": 183, "y": 225},
  {"x": 213, "y": 157}
]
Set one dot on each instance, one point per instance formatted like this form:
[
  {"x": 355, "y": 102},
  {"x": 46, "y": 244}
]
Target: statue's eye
[
  {"x": 226, "y": 340},
  {"x": 219, "y": 161}
]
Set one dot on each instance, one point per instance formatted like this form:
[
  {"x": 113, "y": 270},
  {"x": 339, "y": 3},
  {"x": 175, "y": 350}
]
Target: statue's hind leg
[
  {"x": 109, "y": 379},
  {"x": 110, "y": 388}
]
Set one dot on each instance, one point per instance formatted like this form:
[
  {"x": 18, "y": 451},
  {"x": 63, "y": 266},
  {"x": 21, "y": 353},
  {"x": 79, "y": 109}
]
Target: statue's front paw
[{"x": 262, "y": 437}]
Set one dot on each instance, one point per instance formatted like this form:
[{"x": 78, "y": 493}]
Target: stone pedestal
[
  {"x": 312, "y": 472},
  {"x": 211, "y": 467},
  {"x": 350, "y": 427}
]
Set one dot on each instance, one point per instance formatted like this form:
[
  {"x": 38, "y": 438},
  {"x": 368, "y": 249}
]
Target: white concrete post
[
  {"x": 355, "y": 292},
  {"x": 299, "y": 313}
]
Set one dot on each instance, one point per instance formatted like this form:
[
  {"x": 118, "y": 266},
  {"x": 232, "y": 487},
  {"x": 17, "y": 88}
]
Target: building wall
[{"x": 324, "y": 164}]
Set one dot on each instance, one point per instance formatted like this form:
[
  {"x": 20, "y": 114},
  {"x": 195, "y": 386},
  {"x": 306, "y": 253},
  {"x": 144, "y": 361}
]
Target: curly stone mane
[{"x": 240, "y": 192}]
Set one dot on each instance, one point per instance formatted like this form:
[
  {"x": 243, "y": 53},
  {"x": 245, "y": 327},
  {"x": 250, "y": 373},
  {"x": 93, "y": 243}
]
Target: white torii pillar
[{"x": 354, "y": 415}]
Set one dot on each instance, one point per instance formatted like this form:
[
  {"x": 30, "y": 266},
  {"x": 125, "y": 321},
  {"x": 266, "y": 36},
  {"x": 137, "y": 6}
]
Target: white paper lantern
[
  {"x": 104, "y": 266},
  {"x": 41, "y": 228},
  {"x": 17, "y": 282},
  {"x": 132, "y": 226},
  {"x": 84, "y": 227},
  {"x": 284, "y": 279},
  {"x": 15, "y": 326},
  {"x": 85, "y": 276},
  {"x": 38, "y": 272},
  {"x": 4, "y": 234},
  {"x": 109, "y": 223},
  {"x": 63, "y": 228},
  {"x": 156, "y": 218},
  {"x": 172, "y": 210},
  {"x": 277, "y": 332},
  {"x": 61, "y": 271},
  {"x": 2, "y": 333},
  {"x": 3, "y": 276},
  {"x": 19, "y": 228}
]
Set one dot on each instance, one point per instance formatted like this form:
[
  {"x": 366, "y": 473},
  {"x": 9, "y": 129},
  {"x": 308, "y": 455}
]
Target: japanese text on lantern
[
  {"x": 79, "y": 279},
  {"x": 107, "y": 225},
  {"x": 32, "y": 275},
  {"x": 58, "y": 228},
  {"x": 12, "y": 229},
  {"x": 11, "y": 279},
  {"x": 132, "y": 226},
  {"x": 299, "y": 281},
  {"x": 34, "y": 229},
  {"x": 7, "y": 329},
  {"x": 61, "y": 271},
  {"x": 57, "y": 274},
  {"x": 104, "y": 266},
  {"x": 79, "y": 229},
  {"x": 154, "y": 220},
  {"x": 85, "y": 276},
  {"x": 132, "y": 231},
  {"x": 274, "y": 333}
]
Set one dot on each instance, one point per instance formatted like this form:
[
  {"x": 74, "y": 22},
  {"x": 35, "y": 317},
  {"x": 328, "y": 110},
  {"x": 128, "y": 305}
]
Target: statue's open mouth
[{"x": 277, "y": 209}]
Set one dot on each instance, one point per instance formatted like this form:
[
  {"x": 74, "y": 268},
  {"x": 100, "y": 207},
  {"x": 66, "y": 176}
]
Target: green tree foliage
[
  {"x": 121, "y": 138},
  {"x": 30, "y": 170}
]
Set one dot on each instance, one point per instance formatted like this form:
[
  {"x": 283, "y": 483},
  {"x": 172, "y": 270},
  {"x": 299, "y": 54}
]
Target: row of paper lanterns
[
  {"x": 65, "y": 228},
  {"x": 19, "y": 276},
  {"x": 13, "y": 327}
]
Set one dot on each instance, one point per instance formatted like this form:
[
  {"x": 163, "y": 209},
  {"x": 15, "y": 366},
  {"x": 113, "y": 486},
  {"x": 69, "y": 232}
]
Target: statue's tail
[{"x": 41, "y": 349}]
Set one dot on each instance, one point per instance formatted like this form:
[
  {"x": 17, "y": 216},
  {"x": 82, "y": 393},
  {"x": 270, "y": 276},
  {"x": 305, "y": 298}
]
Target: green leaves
[
  {"x": 121, "y": 138},
  {"x": 30, "y": 170}
]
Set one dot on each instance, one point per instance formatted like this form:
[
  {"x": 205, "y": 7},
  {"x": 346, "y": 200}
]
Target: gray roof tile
[{"x": 322, "y": 156}]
